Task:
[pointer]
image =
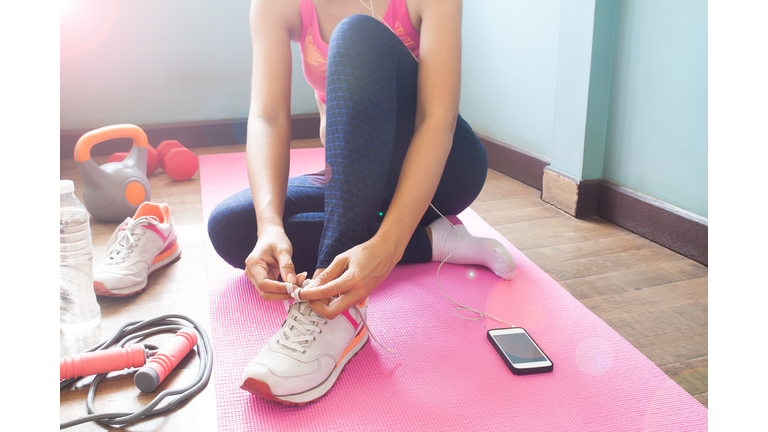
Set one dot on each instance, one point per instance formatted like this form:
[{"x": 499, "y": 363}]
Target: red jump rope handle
[
  {"x": 98, "y": 362},
  {"x": 161, "y": 364}
]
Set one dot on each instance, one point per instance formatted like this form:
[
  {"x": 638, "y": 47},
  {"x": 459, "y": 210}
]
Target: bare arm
[
  {"x": 437, "y": 108},
  {"x": 359, "y": 271},
  {"x": 268, "y": 142}
]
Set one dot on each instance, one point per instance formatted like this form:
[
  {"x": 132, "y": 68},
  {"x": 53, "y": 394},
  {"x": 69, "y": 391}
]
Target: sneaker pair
[
  {"x": 302, "y": 361},
  {"x": 140, "y": 246}
]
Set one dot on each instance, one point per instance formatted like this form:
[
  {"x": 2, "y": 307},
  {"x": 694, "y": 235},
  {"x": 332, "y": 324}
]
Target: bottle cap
[{"x": 66, "y": 186}]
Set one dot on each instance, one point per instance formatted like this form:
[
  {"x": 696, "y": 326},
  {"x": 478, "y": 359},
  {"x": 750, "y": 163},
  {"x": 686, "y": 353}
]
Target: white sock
[{"x": 469, "y": 250}]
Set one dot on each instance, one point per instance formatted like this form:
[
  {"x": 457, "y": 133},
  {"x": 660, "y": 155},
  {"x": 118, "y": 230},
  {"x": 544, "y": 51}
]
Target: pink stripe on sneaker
[
  {"x": 169, "y": 246},
  {"x": 156, "y": 231},
  {"x": 351, "y": 320},
  {"x": 454, "y": 220}
]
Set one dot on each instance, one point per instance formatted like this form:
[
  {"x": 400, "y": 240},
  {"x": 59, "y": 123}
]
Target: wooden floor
[{"x": 655, "y": 298}]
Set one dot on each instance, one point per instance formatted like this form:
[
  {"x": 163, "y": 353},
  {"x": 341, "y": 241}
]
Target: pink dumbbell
[
  {"x": 152, "y": 159},
  {"x": 176, "y": 160}
]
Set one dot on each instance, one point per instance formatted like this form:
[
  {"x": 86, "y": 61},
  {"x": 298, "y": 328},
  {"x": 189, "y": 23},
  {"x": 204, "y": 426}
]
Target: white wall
[{"x": 159, "y": 62}]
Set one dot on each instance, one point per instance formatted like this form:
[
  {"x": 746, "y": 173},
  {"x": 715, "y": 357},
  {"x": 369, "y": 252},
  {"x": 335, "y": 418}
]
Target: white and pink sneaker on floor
[
  {"x": 302, "y": 361},
  {"x": 140, "y": 246}
]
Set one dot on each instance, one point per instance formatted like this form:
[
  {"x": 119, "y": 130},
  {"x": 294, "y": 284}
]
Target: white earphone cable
[{"x": 481, "y": 315}]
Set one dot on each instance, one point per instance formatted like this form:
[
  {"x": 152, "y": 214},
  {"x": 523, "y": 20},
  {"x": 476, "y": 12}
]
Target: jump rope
[
  {"x": 148, "y": 378},
  {"x": 116, "y": 354},
  {"x": 480, "y": 315}
]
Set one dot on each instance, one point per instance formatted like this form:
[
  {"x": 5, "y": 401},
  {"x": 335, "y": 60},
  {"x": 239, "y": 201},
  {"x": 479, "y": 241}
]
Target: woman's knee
[
  {"x": 232, "y": 229},
  {"x": 356, "y": 26}
]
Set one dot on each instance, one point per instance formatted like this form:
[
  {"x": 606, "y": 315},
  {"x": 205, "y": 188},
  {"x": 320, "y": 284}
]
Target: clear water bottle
[{"x": 79, "y": 310}]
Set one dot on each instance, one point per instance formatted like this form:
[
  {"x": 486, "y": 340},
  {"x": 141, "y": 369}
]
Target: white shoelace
[
  {"x": 300, "y": 327},
  {"x": 122, "y": 241},
  {"x": 298, "y": 300}
]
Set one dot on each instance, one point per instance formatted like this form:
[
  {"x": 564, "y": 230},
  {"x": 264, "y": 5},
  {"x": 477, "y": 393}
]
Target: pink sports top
[{"x": 314, "y": 51}]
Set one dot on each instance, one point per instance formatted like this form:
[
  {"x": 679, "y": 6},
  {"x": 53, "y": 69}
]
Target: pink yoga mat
[{"x": 446, "y": 376}]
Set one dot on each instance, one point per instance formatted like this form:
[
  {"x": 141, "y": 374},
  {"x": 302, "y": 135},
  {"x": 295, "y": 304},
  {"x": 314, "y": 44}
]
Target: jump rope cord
[{"x": 135, "y": 330}]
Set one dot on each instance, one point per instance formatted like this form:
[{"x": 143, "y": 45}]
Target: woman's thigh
[{"x": 232, "y": 224}]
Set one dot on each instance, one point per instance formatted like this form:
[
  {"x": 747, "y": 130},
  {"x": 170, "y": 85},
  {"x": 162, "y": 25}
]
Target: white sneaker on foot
[
  {"x": 140, "y": 246},
  {"x": 302, "y": 361}
]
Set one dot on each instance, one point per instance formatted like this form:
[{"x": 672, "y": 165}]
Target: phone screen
[{"x": 519, "y": 348}]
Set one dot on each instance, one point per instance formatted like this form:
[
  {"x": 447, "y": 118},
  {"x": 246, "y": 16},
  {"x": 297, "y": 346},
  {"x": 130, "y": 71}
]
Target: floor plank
[
  {"x": 674, "y": 347},
  {"x": 647, "y": 299},
  {"x": 692, "y": 375},
  {"x": 535, "y": 234}
]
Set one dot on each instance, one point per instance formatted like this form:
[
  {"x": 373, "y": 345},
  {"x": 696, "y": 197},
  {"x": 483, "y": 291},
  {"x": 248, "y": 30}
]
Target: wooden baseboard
[
  {"x": 197, "y": 134},
  {"x": 576, "y": 197},
  {"x": 672, "y": 227},
  {"x": 516, "y": 162},
  {"x": 667, "y": 225}
]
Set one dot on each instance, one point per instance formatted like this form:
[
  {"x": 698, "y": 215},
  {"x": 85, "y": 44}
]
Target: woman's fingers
[
  {"x": 336, "y": 306},
  {"x": 286, "y": 267},
  {"x": 268, "y": 288},
  {"x": 275, "y": 297},
  {"x": 300, "y": 278},
  {"x": 330, "y": 282},
  {"x": 270, "y": 260},
  {"x": 318, "y": 272},
  {"x": 338, "y": 266},
  {"x": 317, "y": 292}
]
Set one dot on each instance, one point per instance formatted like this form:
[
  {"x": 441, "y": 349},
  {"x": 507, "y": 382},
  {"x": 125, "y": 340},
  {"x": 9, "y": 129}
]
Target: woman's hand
[
  {"x": 272, "y": 257},
  {"x": 352, "y": 276}
]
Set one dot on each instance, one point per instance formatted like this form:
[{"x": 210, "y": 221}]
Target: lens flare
[
  {"x": 65, "y": 6},
  {"x": 84, "y": 17}
]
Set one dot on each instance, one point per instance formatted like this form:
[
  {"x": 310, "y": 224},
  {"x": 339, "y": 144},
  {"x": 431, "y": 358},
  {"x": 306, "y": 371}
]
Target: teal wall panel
[
  {"x": 656, "y": 141},
  {"x": 572, "y": 87},
  {"x": 509, "y": 60}
]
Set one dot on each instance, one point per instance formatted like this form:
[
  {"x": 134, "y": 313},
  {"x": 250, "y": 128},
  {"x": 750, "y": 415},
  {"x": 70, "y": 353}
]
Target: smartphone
[{"x": 519, "y": 351}]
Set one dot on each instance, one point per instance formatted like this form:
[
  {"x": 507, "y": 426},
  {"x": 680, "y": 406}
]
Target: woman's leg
[
  {"x": 232, "y": 224},
  {"x": 370, "y": 121},
  {"x": 371, "y": 107}
]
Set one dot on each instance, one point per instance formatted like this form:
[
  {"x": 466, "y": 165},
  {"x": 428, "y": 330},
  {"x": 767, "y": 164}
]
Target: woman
[{"x": 394, "y": 143}]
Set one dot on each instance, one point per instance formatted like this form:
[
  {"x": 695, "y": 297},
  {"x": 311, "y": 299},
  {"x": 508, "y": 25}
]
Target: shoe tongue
[
  {"x": 304, "y": 309},
  {"x": 123, "y": 241}
]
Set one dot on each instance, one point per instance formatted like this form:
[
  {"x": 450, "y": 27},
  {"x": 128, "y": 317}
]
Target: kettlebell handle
[{"x": 90, "y": 139}]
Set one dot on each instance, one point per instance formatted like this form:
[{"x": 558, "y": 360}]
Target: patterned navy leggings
[{"x": 371, "y": 106}]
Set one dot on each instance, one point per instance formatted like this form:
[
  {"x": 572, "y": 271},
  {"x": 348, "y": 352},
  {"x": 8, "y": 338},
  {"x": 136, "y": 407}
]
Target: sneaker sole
[
  {"x": 102, "y": 291},
  {"x": 262, "y": 390}
]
